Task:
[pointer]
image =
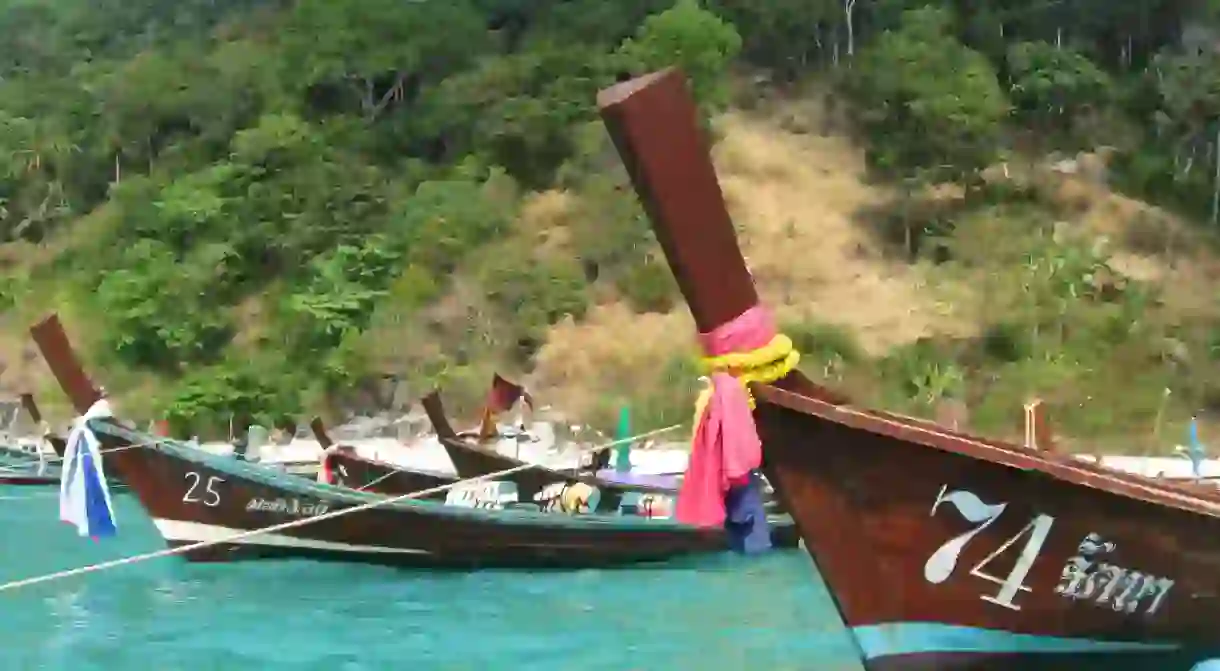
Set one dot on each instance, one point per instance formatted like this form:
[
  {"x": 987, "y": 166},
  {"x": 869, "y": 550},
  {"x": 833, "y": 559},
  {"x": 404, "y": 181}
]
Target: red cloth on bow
[{"x": 725, "y": 447}]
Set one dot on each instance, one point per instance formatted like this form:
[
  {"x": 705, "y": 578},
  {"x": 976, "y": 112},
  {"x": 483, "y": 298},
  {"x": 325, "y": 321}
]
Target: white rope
[
  {"x": 573, "y": 469},
  {"x": 44, "y": 459},
  {"x": 291, "y": 524},
  {"x": 106, "y": 450}
]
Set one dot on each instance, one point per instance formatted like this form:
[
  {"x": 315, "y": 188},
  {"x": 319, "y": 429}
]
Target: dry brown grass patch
[
  {"x": 546, "y": 219},
  {"x": 612, "y": 351},
  {"x": 796, "y": 200}
]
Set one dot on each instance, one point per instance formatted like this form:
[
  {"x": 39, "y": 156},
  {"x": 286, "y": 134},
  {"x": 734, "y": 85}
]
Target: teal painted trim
[{"x": 909, "y": 638}]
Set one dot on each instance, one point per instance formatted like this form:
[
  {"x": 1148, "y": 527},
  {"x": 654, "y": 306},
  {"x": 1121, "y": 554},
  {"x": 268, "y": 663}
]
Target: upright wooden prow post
[
  {"x": 436, "y": 415},
  {"x": 319, "y": 432},
  {"x": 1038, "y": 434},
  {"x": 31, "y": 407},
  {"x": 654, "y": 123},
  {"x": 57, "y": 350}
]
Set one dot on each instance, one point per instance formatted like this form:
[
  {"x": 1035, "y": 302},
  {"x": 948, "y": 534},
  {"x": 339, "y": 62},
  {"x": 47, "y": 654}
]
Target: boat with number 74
[{"x": 942, "y": 551}]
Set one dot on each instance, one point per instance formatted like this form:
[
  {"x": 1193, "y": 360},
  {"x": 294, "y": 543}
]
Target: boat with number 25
[
  {"x": 197, "y": 497},
  {"x": 943, "y": 551}
]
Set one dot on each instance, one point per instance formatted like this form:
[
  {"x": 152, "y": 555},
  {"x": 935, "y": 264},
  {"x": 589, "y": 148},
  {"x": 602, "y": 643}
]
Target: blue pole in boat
[{"x": 1196, "y": 448}]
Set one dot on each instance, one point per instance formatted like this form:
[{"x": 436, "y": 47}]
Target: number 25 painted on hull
[{"x": 942, "y": 551}]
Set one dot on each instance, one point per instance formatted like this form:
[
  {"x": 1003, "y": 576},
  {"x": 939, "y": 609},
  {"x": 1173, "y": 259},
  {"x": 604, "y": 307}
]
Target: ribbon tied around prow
[{"x": 725, "y": 448}]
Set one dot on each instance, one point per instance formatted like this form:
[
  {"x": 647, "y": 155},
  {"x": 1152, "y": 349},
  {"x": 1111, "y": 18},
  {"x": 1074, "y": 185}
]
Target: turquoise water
[{"x": 165, "y": 615}]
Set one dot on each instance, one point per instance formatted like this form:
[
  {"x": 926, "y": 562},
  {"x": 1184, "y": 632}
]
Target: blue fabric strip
[
  {"x": 746, "y": 519},
  {"x": 101, "y": 521}
]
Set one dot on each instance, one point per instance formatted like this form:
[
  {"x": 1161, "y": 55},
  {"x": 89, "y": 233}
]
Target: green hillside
[{"x": 272, "y": 208}]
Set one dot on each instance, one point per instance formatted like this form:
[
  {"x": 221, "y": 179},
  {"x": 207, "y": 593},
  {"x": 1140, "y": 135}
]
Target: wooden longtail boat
[
  {"x": 194, "y": 496},
  {"x": 472, "y": 460},
  {"x": 14, "y": 457},
  {"x": 342, "y": 466},
  {"x": 942, "y": 551},
  {"x": 24, "y": 455},
  {"x": 22, "y": 467},
  {"x": 57, "y": 443}
]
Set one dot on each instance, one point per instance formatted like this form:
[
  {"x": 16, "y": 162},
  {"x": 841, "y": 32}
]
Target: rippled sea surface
[{"x": 728, "y": 614}]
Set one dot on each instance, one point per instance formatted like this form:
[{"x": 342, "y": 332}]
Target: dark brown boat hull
[
  {"x": 471, "y": 460},
  {"x": 863, "y": 502},
  {"x": 371, "y": 475},
  {"x": 1103, "y": 661},
  {"x": 941, "y": 550},
  {"x": 28, "y": 480}
]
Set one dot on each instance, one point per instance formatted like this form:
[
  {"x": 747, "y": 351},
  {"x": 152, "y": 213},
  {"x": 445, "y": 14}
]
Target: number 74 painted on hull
[{"x": 1083, "y": 578}]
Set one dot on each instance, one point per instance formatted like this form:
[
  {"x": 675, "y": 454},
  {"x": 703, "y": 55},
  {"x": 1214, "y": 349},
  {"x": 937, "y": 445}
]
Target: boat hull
[
  {"x": 471, "y": 460},
  {"x": 371, "y": 475},
  {"x": 11, "y": 457},
  {"x": 195, "y": 497},
  {"x": 28, "y": 479},
  {"x": 940, "y": 550},
  {"x": 938, "y": 559},
  {"x": 1167, "y": 660}
]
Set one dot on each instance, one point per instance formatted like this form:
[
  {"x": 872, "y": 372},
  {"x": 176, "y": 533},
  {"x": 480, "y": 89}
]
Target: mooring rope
[
  {"x": 56, "y": 458},
  {"x": 291, "y": 524}
]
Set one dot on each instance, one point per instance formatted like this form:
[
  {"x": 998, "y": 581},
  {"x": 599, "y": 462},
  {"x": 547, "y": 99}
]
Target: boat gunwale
[{"x": 1010, "y": 455}]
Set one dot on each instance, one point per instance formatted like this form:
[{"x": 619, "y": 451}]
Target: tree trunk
[
  {"x": 368, "y": 102},
  {"x": 849, "y": 6},
  {"x": 1216, "y": 183},
  {"x": 392, "y": 94}
]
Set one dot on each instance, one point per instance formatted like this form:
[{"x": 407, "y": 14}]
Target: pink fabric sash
[{"x": 725, "y": 447}]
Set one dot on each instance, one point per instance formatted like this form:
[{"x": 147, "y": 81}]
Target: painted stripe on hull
[
  {"x": 930, "y": 646},
  {"x": 1078, "y": 661},
  {"x": 905, "y": 638},
  {"x": 28, "y": 480},
  {"x": 179, "y": 532}
]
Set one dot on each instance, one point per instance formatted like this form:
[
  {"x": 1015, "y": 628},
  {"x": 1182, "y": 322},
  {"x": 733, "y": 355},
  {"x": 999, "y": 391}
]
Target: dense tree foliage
[{"x": 338, "y": 163}]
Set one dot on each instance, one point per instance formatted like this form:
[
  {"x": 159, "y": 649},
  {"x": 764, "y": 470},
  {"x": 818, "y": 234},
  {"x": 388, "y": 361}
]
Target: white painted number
[
  {"x": 1038, "y": 528},
  {"x": 942, "y": 563},
  {"x": 211, "y": 497}
]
